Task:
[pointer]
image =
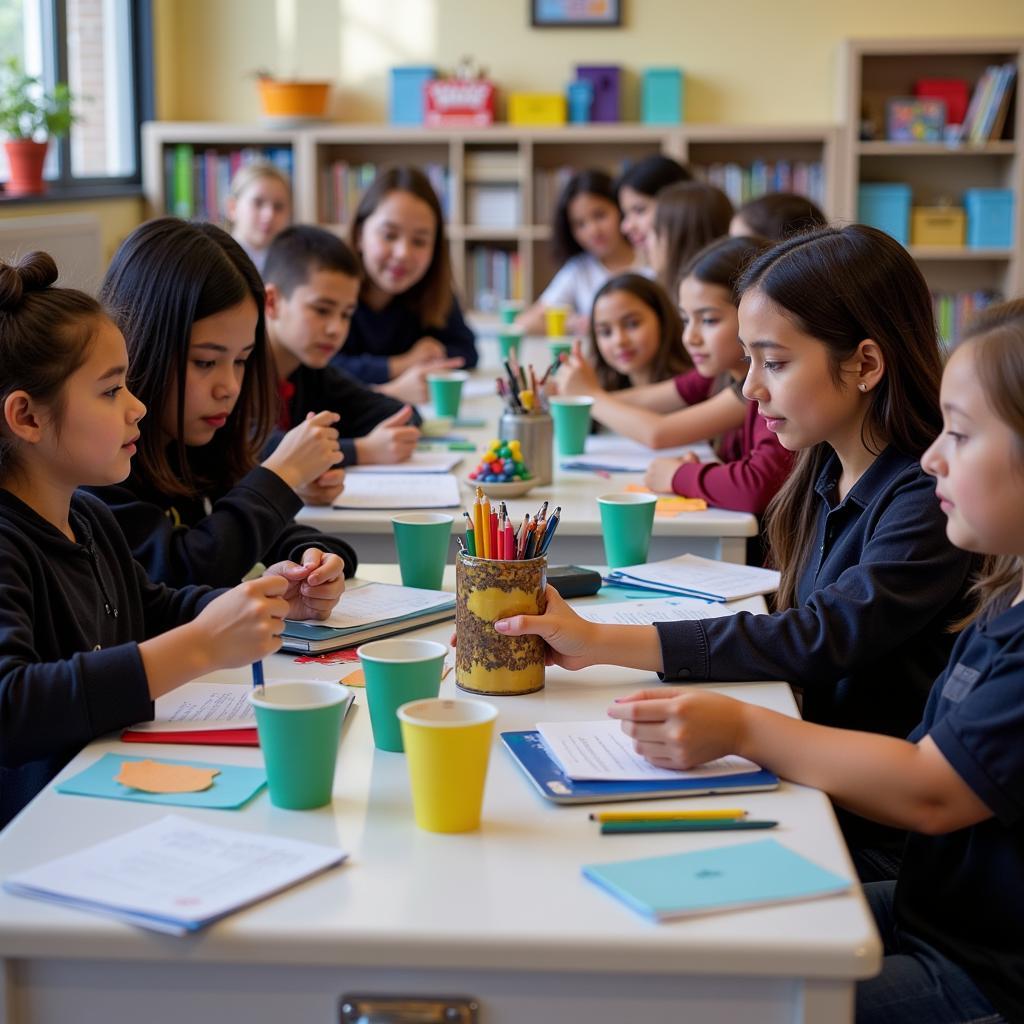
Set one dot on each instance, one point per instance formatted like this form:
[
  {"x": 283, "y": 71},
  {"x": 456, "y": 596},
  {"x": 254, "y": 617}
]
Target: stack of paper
[
  {"x": 174, "y": 875},
  {"x": 369, "y": 612},
  {"x": 612, "y": 454},
  {"x": 693, "y": 576},
  {"x": 602, "y": 751},
  {"x": 418, "y": 463},
  {"x": 398, "y": 490},
  {"x": 643, "y": 612},
  {"x": 710, "y": 881}
]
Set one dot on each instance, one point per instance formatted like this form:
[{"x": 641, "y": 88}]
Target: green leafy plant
[{"x": 27, "y": 109}]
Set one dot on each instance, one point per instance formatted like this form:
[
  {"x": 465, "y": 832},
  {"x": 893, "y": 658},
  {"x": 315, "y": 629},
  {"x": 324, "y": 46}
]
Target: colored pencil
[
  {"x": 618, "y": 828},
  {"x": 730, "y": 813}
]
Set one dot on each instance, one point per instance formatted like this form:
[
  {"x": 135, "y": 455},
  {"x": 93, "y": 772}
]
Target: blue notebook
[
  {"x": 710, "y": 881},
  {"x": 553, "y": 784},
  {"x": 232, "y": 788}
]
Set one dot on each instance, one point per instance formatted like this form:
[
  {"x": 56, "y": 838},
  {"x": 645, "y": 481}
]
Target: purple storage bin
[{"x": 606, "y": 80}]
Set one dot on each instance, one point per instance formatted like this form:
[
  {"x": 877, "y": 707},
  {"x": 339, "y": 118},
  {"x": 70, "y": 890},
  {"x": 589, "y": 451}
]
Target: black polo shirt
[{"x": 964, "y": 892}]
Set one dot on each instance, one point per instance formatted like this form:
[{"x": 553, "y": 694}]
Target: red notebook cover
[{"x": 219, "y": 737}]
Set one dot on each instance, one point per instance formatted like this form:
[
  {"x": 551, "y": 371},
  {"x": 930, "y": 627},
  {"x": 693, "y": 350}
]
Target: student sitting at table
[
  {"x": 849, "y": 378},
  {"x": 199, "y": 506},
  {"x": 312, "y": 281},
  {"x": 87, "y": 642},
  {"x": 706, "y": 402},
  {"x": 588, "y": 244},
  {"x": 951, "y": 921},
  {"x": 408, "y": 320},
  {"x": 637, "y": 189}
]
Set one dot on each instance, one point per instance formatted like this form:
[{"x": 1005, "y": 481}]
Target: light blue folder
[
  {"x": 708, "y": 881},
  {"x": 232, "y": 788}
]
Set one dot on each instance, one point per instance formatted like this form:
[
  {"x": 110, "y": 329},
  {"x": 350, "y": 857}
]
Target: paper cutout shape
[
  {"x": 355, "y": 678},
  {"x": 160, "y": 777},
  {"x": 671, "y": 505}
]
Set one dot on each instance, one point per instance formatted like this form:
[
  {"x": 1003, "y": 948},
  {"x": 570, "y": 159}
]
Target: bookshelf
[
  {"x": 498, "y": 185},
  {"x": 877, "y": 70}
]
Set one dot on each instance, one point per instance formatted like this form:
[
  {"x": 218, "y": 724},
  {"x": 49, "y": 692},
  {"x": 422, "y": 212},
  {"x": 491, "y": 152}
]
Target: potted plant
[
  {"x": 288, "y": 99},
  {"x": 29, "y": 117}
]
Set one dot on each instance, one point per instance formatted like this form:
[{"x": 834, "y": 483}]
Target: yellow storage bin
[
  {"x": 536, "y": 108},
  {"x": 937, "y": 225}
]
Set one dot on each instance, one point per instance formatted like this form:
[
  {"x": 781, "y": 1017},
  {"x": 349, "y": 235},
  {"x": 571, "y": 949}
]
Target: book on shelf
[
  {"x": 990, "y": 103},
  {"x": 197, "y": 182},
  {"x": 742, "y": 182},
  {"x": 342, "y": 185},
  {"x": 953, "y": 310},
  {"x": 493, "y": 275},
  {"x": 491, "y": 165}
]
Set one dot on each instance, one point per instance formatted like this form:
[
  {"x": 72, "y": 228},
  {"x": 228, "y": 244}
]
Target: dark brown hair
[
  {"x": 996, "y": 338},
  {"x": 670, "y": 359},
  {"x": 590, "y": 182},
  {"x": 840, "y": 286},
  {"x": 45, "y": 333},
  {"x": 166, "y": 275},
  {"x": 778, "y": 215},
  {"x": 431, "y": 297},
  {"x": 651, "y": 174},
  {"x": 299, "y": 251},
  {"x": 688, "y": 216}
]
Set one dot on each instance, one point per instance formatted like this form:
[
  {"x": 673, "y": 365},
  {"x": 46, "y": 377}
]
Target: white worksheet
[
  {"x": 418, "y": 462},
  {"x": 646, "y": 613},
  {"x": 696, "y": 576},
  {"x": 601, "y": 750},
  {"x": 198, "y": 707},
  {"x": 375, "y": 602},
  {"x": 399, "y": 490}
]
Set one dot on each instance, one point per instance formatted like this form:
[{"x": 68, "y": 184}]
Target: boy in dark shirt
[{"x": 312, "y": 281}]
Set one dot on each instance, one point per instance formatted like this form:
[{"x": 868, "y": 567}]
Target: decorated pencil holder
[
  {"x": 488, "y": 589},
  {"x": 533, "y": 432}
]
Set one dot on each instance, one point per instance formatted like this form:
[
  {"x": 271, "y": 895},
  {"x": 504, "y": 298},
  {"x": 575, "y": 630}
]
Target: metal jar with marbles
[{"x": 488, "y": 589}]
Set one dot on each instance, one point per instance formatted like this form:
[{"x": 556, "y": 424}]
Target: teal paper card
[{"x": 232, "y": 788}]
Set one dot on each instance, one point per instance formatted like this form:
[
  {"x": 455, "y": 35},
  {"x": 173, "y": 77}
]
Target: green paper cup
[
  {"x": 446, "y": 391},
  {"x": 626, "y": 524},
  {"x": 559, "y": 347},
  {"x": 571, "y": 416},
  {"x": 508, "y": 311},
  {"x": 396, "y": 672},
  {"x": 422, "y": 542},
  {"x": 299, "y": 726},
  {"x": 510, "y": 341}
]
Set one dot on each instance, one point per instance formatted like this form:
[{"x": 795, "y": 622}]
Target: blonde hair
[{"x": 254, "y": 171}]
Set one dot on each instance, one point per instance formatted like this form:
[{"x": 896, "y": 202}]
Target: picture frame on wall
[{"x": 575, "y": 13}]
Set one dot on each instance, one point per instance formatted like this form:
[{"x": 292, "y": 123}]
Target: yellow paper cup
[
  {"x": 447, "y": 746},
  {"x": 555, "y": 320}
]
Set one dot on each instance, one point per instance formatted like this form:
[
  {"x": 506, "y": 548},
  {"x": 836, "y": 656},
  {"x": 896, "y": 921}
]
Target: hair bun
[{"x": 32, "y": 273}]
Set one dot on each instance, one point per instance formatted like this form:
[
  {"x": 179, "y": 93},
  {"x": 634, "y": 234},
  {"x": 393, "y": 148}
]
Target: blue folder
[{"x": 553, "y": 784}]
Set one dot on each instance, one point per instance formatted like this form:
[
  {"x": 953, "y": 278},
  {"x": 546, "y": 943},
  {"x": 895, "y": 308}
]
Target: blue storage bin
[
  {"x": 662, "y": 96},
  {"x": 407, "y": 99},
  {"x": 989, "y": 218},
  {"x": 886, "y": 207}
]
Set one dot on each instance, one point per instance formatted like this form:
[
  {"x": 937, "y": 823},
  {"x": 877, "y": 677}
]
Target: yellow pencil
[
  {"x": 485, "y": 515},
  {"x": 711, "y": 815},
  {"x": 478, "y": 524}
]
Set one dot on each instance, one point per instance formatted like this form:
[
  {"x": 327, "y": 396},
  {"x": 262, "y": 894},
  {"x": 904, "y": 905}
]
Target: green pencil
[{"x": 612, "y": 828}]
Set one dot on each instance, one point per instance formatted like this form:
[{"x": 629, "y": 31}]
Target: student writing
[
  {"x": 408, "y": 321},
  {"x": 312, "y": 280},
  {"x": 198, "y": 506},
  {"x": 587, "y": 240},
  {"x": 87, "y": 642},
  {"x": 950, "y": 922},
  {"x": 870, "y": 583}
]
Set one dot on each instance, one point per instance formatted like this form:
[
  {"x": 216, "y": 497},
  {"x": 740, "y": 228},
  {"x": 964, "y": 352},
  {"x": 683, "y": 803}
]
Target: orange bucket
[{"x": 293, "y": 99}]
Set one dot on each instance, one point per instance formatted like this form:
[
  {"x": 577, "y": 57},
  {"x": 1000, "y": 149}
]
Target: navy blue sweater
[
  {"x": 218, "y": 537},
  {"x": 72, "y": 614},
  {"x": 377, "y": 334}
]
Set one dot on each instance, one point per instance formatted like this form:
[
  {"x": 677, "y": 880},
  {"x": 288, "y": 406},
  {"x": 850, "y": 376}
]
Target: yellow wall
[
  {"x": 746, "y": 61},
  {"x": 118, "y": 217}
]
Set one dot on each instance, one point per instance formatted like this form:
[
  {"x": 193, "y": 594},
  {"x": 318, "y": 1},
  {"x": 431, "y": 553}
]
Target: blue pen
[
  {"x": 257, "y": 674},
  {"x": 553, "y": 522}
]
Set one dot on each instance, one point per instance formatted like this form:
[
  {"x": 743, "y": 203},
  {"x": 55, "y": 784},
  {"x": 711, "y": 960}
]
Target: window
[{"x": 103, "y": 50}]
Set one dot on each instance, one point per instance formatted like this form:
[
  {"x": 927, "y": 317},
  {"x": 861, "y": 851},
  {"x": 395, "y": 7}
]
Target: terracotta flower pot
[
  {"x": 293, "y": 99},
  {"x": 25, "y": 157}
]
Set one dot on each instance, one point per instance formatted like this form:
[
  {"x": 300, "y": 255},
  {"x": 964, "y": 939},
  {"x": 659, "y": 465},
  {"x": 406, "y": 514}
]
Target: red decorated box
[{"x": 453, "y": 102}]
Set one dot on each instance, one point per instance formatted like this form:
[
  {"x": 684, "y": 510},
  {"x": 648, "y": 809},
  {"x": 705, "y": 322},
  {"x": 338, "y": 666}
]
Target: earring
[{"x": 863, "y": 387}]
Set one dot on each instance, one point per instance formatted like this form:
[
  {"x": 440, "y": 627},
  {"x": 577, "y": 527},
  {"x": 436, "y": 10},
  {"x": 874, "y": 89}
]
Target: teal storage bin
[
  {"x": 886, "y": 207},
  {"x": 407, "y": 100},
  {"x": 662, "y": 96},
  {"x": 989, "y": 218}
]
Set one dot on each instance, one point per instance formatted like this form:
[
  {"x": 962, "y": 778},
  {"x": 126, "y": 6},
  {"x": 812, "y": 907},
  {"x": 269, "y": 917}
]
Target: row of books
[
  {"x": 342, "y": 185},
  {"x": 197, "y": 181},
  {"x": 990, "y": 102},
  {"x": 953, "y": 310},
  {"x": 493, "y": 275},
  {"x": 743, "y": 182}
]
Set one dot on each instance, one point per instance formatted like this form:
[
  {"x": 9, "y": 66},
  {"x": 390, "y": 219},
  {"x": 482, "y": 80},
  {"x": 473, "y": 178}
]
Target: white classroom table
[
  {"x": 715, "y": 533},
  {"x": 502, "y": 915}
]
